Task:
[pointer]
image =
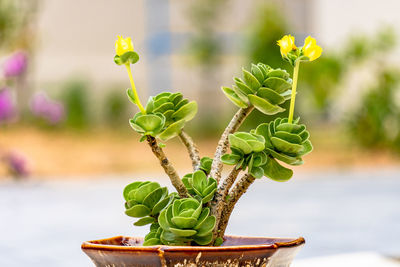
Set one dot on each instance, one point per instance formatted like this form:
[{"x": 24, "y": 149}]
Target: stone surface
[{"x": 43, "y": 223}]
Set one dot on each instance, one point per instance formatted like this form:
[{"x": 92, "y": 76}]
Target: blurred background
[{"x": 67, "y": 150}]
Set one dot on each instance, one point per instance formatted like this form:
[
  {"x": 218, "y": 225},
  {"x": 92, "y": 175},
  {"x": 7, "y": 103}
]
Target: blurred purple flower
[
  {"x": 17, "y": 164},
  {"x": 43, "y": 107},
  {"x": 7, "y": 108},
  {"x": 15, "y": 65}
]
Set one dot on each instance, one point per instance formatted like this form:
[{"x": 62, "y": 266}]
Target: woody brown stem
[
  {"x": 167, "y": 166},
  {"x": 191, "y": 148},
  {"x": 218, "y": 203},
  {"x": 234, "y": 124},
  {"x": 238, "y": 190}
]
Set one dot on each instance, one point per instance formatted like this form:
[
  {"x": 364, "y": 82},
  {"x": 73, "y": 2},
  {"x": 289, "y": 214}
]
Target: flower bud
[{"x": 123, "y": 45}]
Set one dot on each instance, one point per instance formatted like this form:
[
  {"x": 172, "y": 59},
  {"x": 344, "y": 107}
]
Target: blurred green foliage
[
  {"x": 115, "y": 108},
  {"x": 75, "y": 97},
  {"x": 268, "y": 26},
  {"x": 204, "y": 45},
  {"x": 376, "y": 124},
  {"x": 320, "y": 80},
  {"x": 16, "y": 18}
]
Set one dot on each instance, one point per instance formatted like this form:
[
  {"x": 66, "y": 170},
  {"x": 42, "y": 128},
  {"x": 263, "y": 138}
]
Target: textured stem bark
[
  {"x": 192, "y": 149},
  {"x": 238, "y": 190},
  {"x": 167, "y": 166},
  {"x": 218, "y": 203},
  {"x": 234, "y": 124}
]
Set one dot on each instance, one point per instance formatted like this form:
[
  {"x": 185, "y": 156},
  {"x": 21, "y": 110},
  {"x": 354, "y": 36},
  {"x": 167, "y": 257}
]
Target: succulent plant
[
  {"x": 185, "y": 221},
  {"x": 247, "y": 152},
  {"x": 286, "y": 142},
  {"x": 166, "y": 115},
  {"x": 199, "y": 211},
  {"x": 263, "y": 87},
  {"x": 200, "y": 186},
  {"x": 146, "y": 200}
]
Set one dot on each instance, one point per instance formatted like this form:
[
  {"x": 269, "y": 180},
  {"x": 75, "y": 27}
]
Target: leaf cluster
[
  {"x": 174, "y": 221},
  {"x": 260, "y": 149},
  {"x": 200, "y": 186},
  {"x": 166, "y": 115},
  {"x": 263, "y": 87},
  {"x": 186, "y": 221}
]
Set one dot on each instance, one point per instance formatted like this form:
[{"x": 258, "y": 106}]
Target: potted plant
[{"x": 187, "y": 227}]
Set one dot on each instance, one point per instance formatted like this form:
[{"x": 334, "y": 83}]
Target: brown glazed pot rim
[{"x": 277, "y": 243}]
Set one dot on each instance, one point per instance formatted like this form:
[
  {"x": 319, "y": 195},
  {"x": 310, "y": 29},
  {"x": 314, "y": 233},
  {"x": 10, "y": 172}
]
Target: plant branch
[
  {"x": 234, "y": 124},
  {"x": 218, "y": 203},
  {"x": 238, "y": 190},
  {"x": 191, "y": 148},
  {"x": 167, "y": 166}
]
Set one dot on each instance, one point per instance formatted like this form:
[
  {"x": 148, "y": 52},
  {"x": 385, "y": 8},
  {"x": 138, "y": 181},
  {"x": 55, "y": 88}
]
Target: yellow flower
[
  {"x": 311, "y": 49},
  {"x": 123, "y": 45},
  {"x": 286, "y": 44}
]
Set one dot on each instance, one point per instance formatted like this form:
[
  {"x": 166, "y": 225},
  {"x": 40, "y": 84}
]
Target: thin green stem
[
  {"x": 137, "y": 100},
  {"x": 294, "y": 87}
]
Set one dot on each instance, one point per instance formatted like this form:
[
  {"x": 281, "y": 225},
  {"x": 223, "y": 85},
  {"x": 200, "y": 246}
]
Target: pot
[{"x": 235, "y": 251}]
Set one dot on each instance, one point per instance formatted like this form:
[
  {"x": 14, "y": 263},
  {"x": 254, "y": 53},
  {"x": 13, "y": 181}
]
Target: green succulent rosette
[
  {"x": 146, "y": 200},
  {"x": 247, "y": 152},
  {"x": 153, "y": 237},
  {"x": 263, "y": 87},
  {"x": 286, "y": 142},
  {"x": 200, "y": 186},
  {"x": 186, "y": 221},
  {"x": 205, "y": 165},
  {"x": 166, "y": 115}
]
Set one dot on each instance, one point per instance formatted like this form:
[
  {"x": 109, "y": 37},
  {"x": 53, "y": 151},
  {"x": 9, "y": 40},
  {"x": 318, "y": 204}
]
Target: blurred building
[{"x": 77, "y": 37}]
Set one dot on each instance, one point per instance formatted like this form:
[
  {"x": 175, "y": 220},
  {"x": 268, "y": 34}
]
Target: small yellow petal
[
  {"x": 123, "y": 45},
  {"x": 311, "y": 49},
  {"x": 286, "y": 44}
]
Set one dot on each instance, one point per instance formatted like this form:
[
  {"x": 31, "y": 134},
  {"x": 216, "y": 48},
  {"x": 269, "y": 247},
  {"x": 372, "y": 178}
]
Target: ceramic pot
[{"x": 235, "y": 251}]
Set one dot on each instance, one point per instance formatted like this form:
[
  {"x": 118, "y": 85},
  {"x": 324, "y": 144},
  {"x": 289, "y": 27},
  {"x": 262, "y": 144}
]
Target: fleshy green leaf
[
  {"x": 257, "y": 172},
  {"x": 145, "y": 221},
  {"x": 150, "y": 122},
  {"x": 129, "y": 188},
  {"x": 187, "y": 112},
  {"x": 289, "y": 137},
  {"x": 206, "y": 227},
  {"x": 264, "y": 106},
  {"x": 270, "y": 95},
  {"x": 250, "y": 80},
  {"x": 138, "y": 211},
  {"x": 234, "y": 97},
  {"x": 243, "y": 87},
  {"x": 131, "y": 95},
  {"x": 285, "y": 146},
  {"x": 182, "y": 232},
  {"x": 230, "y": 159},
  {"x": 199, "y": 178},
  {"x": 257, "y": 73},
  {"x": 152, "y": 242},
  {"x": 160, "y": 205},
  {"x": 130, "y": 56},
  {"x": 184, "y": 222},
  {"x": 173, "y": 130},
  {"x": 279, "y": 85},
  {"x": 277, "y": 172},
  {"x": 240, "y": 143},
  {"x": 285, "y": 158},
  {"x": 145, "y": 190},
  {"x": 152, "y": 198},
  {"x": 203, "y": 240}
]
